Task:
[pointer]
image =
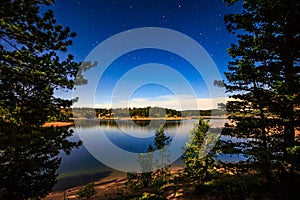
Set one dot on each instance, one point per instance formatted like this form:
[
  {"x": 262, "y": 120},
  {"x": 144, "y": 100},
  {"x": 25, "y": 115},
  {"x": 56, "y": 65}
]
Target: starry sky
[{"x": 96, "y": 20}]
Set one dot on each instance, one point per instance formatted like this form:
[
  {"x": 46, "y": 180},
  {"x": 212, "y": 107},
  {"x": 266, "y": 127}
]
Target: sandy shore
[
  {"x": 59, "y": 124},
  {"x": 107, "y": 188},
  {"x": 145, "y": 118}
]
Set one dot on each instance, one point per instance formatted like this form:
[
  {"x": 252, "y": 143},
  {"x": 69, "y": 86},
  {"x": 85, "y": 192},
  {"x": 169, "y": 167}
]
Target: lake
[{"x": 134, "y": 137}]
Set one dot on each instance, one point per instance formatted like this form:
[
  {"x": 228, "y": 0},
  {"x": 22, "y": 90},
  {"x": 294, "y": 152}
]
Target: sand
[{"x": 59, "y": 124}]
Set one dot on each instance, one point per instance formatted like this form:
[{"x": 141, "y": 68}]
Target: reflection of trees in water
[
  {"x": 154, "y": 124},
  {"x": 114, "y": 123},
  {"x": 151, "y": 124},
  {"x": 81, "y": 123}
]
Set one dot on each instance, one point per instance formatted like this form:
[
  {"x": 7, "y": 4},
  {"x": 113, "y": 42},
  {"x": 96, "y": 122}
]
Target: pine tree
[
  {"x": 31, "y": 68},
  {"x": 196, "y": 158},
  {"x": 264, "y": 79}
]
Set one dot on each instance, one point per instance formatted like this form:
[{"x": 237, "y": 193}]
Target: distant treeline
[
  {"x": 153, "y": 112},
  {"x": 212, "y": 112}
]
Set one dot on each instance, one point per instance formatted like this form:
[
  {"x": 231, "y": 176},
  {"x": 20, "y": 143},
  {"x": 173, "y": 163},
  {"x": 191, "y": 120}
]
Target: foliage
[
  {"x": 161, "y": 144},
  {"x": 137, "y": 181},
  {"x": 197, "y": 113},
  {"x": 62, "y": 115},
  {"x": 264, "y": 79},
  {"x": 88, "y": 113},
  {"x": 150, "y": 176},
  {"x": 87, "y": 191},
  {"x": 31, "y": 69},
  {"x": 197, "y": 159},
  {"x": 233, "y": 187},
  {"x": 148, "y": 196},
  {"x": 246, "y": 186},
  {"x": 153, "y": 112}
]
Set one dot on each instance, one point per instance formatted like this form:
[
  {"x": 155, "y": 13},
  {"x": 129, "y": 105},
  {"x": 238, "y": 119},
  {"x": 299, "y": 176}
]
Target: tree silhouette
[
  {"x": 264, "y": 79},
  {"x": 31, "y": 69}
]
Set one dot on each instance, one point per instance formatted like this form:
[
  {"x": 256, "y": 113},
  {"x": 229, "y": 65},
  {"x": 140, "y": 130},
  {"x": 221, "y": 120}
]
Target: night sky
[{"x": 96, "y": 20}]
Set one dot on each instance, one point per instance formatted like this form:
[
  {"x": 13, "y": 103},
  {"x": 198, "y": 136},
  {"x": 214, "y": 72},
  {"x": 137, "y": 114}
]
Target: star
[{"x": 218, "y": 28}]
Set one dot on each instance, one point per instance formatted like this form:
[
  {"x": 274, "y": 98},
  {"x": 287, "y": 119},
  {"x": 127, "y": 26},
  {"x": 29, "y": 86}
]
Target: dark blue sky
[{"x": 96, "y": 20}]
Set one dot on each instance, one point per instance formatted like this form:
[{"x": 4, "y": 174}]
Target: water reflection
[
  {"x": 150, "y": 124},
  {"x": 81, "y": 167},
  {"x": 82, "y": 123},
  {"x": 133, "y": 136}
]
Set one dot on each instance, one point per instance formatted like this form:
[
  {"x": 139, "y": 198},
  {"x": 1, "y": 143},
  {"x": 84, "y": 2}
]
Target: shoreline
[
  {"x": 144, "y": 118},
  {"x": 71, "y": 123},
  {"x": 106, "y": 188},
  {"x": 58, "y": 124},
  {"x": 151, "y": 118}
]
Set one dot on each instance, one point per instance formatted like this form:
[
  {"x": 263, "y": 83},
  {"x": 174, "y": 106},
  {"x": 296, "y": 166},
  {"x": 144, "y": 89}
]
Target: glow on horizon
[{"x": 163, "y": 101}]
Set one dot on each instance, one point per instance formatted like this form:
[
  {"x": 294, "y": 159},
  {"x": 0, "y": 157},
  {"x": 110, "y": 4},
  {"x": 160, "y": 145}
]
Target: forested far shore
[{"x": 146, "y": 112}]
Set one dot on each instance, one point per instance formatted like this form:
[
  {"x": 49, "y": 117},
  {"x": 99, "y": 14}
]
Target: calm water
[{"x": 81, "y": 166}]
